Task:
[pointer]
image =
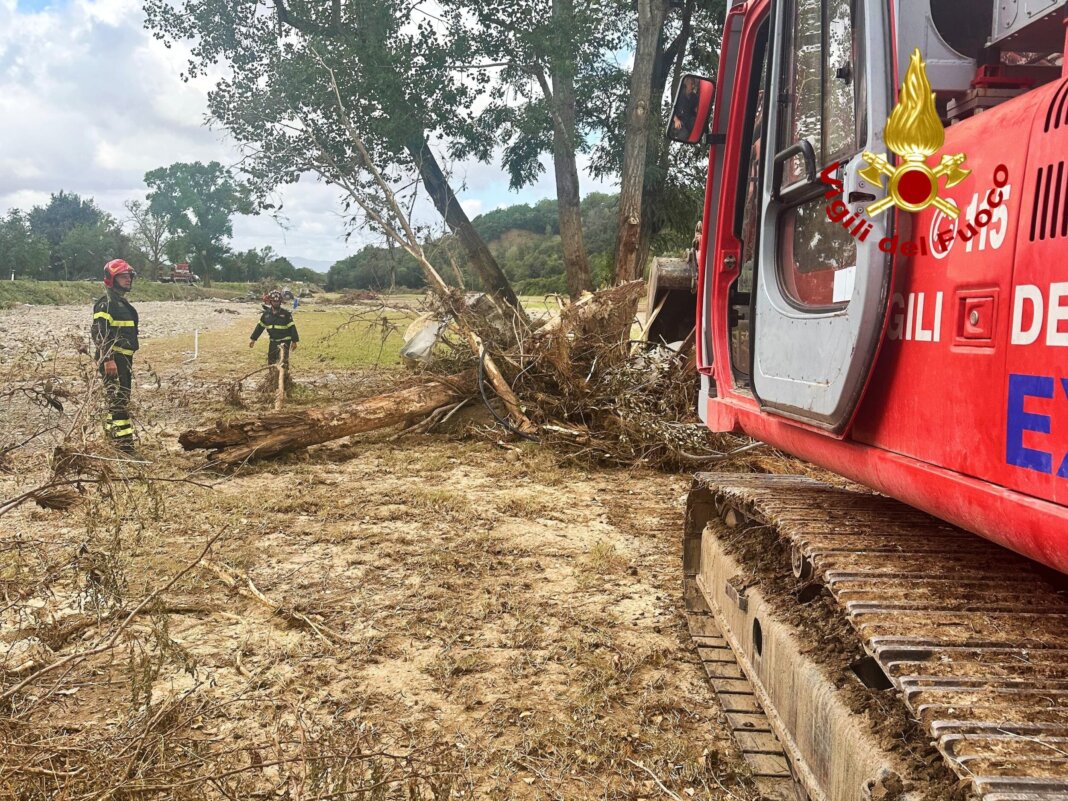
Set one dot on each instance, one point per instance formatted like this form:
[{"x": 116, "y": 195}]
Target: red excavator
[{"x": 882, "y": 290}]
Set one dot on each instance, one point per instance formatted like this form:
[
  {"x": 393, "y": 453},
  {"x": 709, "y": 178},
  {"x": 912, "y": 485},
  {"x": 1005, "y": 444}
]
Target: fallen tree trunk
[
  {"x": 590, "y": 335},
  {"x": 272, "y": 434}
]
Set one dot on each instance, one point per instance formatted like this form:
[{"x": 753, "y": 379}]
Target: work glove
[
  {"x": 293, "y": 346},
  {"x": 252, "y": 343},
  {"x": 110, "y": 368}
]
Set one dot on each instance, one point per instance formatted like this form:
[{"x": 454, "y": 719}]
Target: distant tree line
[
  {"x": 524, "y": 239},
  {"x": 185, "y": 218}
]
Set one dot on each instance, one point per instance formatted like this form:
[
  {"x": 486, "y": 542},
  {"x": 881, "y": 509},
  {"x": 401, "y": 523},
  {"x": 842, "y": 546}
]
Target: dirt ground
[
  {"x": 23, "y": 326},
  {"x": 431, "y": 617}
]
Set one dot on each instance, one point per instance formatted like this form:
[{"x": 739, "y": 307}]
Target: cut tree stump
[{"x": 272, "y": 434}]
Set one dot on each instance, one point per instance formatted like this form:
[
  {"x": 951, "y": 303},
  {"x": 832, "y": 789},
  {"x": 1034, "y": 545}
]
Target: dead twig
[
  {"x": 656, "y": 779},
  {"x": 114, "y": 638},
  {"x": 244, "y": 585}
]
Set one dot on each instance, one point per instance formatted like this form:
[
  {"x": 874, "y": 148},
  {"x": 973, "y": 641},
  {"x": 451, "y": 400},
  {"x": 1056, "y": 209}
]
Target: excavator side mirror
[{"x": 692, "y": 110}]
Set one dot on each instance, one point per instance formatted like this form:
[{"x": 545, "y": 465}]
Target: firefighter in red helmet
[
  {"x": 114, "y": 334},
  {"x": 281, "y": 333}
]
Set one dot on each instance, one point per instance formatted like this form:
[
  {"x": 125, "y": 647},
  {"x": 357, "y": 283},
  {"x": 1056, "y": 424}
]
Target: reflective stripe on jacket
[
  {"x": 114, "y": 327},
  {"x": 279, "y": 326}
]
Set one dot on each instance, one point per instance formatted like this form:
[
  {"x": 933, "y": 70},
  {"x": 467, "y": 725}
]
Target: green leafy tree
[
  {"x": 309, "y": 276},
  {"x": 198, "y": 201},
  {"x": 87, "y": 248},
  {"x": 553, "y": 58},
  {"x": 22, "y": 253},
  {"x": 243, "y": 266},
  {"x": 308, "y": 83},
  {"x": 54, "y": 221},
  {"x": 376, "y": 268},
  {"x": 526, "y": 240}
]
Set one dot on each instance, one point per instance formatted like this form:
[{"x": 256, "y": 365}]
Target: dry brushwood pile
[
  {"x": 578, "y": 382},
  {"x": 398, "y": 614}
]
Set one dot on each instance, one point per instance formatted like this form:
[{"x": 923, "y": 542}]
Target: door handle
[{"x": 798, "y": 189}]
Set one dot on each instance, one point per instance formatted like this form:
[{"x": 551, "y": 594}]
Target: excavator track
[{"x": 895, "y": 656}]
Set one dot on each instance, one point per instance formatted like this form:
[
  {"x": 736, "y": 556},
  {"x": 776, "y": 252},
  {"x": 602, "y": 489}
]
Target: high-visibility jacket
[
  {"x": 114, "y": 326},
  {"x": 279, "y": 326}
]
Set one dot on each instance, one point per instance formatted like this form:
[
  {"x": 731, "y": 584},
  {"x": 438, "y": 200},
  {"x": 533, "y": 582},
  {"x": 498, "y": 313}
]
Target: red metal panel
[
  {"x": 931, "y": 376},
  {"x": 710, "y": 262},
  {"x": 727, "y": 245},
  {"x": 1036, "y": 398},
  {"x": 1035, "y": 528},
  {"x": 966, "y": 416}
]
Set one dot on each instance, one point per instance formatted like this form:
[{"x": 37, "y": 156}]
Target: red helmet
[{"x": 116, "y": 267}]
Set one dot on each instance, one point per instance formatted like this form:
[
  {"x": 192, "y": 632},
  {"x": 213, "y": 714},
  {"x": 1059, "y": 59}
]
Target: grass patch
[
  {"x": 525, "y": 505},
  {"x": 329, "y": 339},
  {"x": 447, "y": 503},
  {"x": 539, "y": 303},
  {"x": 604, "y": 557},
  {"x": 542, "y": 466},
  {"x": 450, "y": 666},
  {"x": 597, "y": 566},
  {"x": 337, "y": 339},
  {"x": 63, "y": 293}
]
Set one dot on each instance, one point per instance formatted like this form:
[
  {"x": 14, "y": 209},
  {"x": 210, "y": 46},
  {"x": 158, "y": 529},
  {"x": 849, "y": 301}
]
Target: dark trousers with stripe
[{"x": 118, "y": 390}]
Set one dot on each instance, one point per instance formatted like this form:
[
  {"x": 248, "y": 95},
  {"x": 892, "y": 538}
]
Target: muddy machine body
[{"x": 918, "y": 348}]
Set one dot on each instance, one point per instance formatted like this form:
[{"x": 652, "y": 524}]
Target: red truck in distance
[{"x": 179, "y": 274}]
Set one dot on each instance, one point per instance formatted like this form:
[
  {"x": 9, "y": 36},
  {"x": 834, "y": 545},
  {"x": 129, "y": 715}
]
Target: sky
[{"x": 90, "y": 102}]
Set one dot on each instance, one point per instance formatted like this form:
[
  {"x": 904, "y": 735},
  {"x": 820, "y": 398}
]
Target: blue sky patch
[{"x": 31, "y": 6}]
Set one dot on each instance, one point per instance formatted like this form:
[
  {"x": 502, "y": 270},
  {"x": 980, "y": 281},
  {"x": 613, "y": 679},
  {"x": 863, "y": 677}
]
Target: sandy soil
[
  {"x": 439, "y": 618},
  {"x": 23, "y": 327}
]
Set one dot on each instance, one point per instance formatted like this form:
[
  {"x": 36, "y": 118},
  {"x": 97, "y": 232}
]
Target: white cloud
[
  {"x": 473, "y": 206},
  {"x": 90, "y": 102}
]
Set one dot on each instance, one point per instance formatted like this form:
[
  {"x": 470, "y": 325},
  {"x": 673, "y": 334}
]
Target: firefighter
[
  {"x": 114, "y": 333},
  {"x": 281, "y": 331}
]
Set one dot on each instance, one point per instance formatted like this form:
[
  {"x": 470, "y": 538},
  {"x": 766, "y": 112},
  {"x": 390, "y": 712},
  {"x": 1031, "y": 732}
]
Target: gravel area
[{"x": 34, "y": 326}]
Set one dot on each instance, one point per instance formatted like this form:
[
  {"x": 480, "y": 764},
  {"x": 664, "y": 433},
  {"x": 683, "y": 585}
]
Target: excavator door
[{"x": 822, "y": 284}]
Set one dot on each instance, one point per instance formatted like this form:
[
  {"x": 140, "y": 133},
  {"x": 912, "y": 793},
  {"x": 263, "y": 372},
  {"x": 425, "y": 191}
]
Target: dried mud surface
[{"x": 484, "y": 623}]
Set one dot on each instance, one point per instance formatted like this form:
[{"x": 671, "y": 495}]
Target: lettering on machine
[
  {"x": 916, "y": 317},
  {"x": 1040, "y": 315}
]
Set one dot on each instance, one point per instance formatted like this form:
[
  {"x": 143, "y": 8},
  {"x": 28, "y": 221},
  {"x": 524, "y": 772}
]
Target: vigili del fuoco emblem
[{"x": 915, "y": 133}]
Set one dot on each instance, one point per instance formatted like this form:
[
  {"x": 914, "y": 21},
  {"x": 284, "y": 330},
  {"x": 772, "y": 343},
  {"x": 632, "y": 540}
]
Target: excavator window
[
  {"x": 823, "y": 82},
  {"x": 821, "y": 76}
]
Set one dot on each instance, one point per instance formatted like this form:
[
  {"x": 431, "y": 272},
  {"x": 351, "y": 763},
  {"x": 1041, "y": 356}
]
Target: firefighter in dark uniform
[
  {"x": 281, "y": 332},
  {"x": 114, "y": 333}
]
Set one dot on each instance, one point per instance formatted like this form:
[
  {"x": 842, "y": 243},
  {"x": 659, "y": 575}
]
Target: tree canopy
[
  {"x": 22, "y": 252},
  {"x": 306, "y": 82},
  {"x": 71, "y": 238},
  {"x": 79, "y": 237},
  {"x": 198, "y": 202}
]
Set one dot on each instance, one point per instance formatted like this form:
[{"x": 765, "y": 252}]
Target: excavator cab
[
  {"x": 882, "y": 292},
  {"x": 794, "y": 279},
  {"x": 805, "y": 88},
  {"x": 816, "y": 289}
]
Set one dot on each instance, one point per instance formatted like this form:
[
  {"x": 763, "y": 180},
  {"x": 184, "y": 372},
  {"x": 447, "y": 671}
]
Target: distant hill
[
  {"x": 312, "y": 264},
  {"x": 525, "y": 240}
]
